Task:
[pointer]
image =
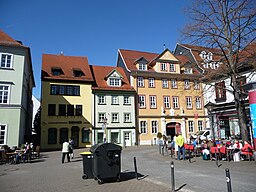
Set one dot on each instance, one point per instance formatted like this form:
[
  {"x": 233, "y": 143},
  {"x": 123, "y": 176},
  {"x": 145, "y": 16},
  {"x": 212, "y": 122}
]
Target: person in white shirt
[{"x": 65, "y": 151}]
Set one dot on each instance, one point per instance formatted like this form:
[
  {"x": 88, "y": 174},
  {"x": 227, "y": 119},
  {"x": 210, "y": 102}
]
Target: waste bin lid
[
  {"x": 105, "y": 146},
  {"x": 86, "y": 153}
]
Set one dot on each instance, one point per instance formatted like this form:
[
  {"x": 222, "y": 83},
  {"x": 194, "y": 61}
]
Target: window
[
  {"x": 220, "y": 90},
  {"x": 163, "y": 66},
  {"x": 70, "y": 110},
  {"x": 4, "y": 93},
  {"x": 79, "y": 110},
  {"x": 140, "y": 82},
  {"x": 174, "y": 83},
  {"x": 56, "y": 71},
  {"x": 100, "y": 137},
  {"x": 102, "y": 117},
  {"x": 78, "y": 73},
  {"x": 143, "y": 127},
  {"x": 175, "y": 102},
  {"x": 186, "y": 84},
  {"x": 240, "y": 82},
  {"x": 63, "y": 135},
  {"x": 142, "y": 66},
  {"x": 198, "y": 103},
  {"x": 151, "y": 82},
  {"x": 196, "y": 85},
  {"x": 51, "y": 109},
  {"x": 115, "y": 118},
  {"x": 101, "y": 100},
  {"x": 6, "y": 60},
  {"x": 52, "y": 136},
  {"x": 200, "y": 125},
  {"x": 154, "y": 127},
  {"x": 85, "y": 135},
  {"x": 3, "y": 134},
  {"x": 165, "y": 83},
  {"x": 188, "y": 70},
  {"x": 114, "y": 137},
  {"x": 65, "y": 90},
  {"x": 142, "y": 101},
  {"x": 190, "y": 126},
  {"x": 189, "y": 102},
  {"x": 115, "y": 82},
  {"x": 166, "y": 102},
  {"x": 127, "y": 117},
  {"x": 62, "y": 110},
  {"x": 127, "y": 100},
  {"x": 115, "y": 100},
  {"x": 152, "y": 100},
  {"x": 172, "y": 67}
]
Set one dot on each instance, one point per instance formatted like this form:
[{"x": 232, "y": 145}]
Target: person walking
[
  {"x": 65, "y": 151},
  {"x": 180, "y": 142},
  {"x": 71, "y": 149}
]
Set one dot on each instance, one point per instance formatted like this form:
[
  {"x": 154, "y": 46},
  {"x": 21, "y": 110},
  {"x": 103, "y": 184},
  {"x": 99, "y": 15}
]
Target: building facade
[
  {"x": 66, "y": 101},
  {"x": 169, "y": 95},
  {"x": 16, "y": 84},
  {"x": 113, "y": 108}
]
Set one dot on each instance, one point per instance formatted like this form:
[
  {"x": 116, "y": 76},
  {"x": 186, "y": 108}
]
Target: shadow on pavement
[
  {"x": 180, "y": 187},
  {"x": 125, "y": 176}
]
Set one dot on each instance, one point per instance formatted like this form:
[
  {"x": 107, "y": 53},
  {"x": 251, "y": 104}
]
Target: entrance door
[
  {"x": 170, "y": 129},
  {"x": 75, "y": 135},
  {"x": 127, "y": 138}
]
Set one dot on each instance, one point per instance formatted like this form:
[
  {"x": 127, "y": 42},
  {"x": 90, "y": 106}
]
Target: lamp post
[
  {"x": 209, "y": 106},
  {"x": 105, "y": 130}
]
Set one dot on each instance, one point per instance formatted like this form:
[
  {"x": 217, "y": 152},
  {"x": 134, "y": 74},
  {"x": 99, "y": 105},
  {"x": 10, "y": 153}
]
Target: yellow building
[
  {"x": 169, "y": 94},
  {"x": 66, "y": 101}
]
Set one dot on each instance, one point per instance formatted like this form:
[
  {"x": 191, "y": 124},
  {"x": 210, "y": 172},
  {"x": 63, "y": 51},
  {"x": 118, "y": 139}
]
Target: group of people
[
  {"x": 242, "y": 150},
  {"x": 67, "y": 150}
]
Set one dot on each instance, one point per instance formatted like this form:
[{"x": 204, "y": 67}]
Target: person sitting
[{"x": 246, "y": 150}]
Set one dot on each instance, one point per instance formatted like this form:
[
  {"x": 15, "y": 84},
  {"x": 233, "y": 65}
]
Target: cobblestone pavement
[{"x": 47, "y": 174}]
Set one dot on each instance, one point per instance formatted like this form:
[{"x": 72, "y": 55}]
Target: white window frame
[
  {"x": 186, "y": 84},
  {"x": 114, "y": 100},
  {"x": 189, "y": 102},
  {"x": 101, "y": 99},
  {"x": 143, "y": 127},
  {"x": 127, "y": 117},
  {"x": 188, "y": 70},
  {"x": 154, "y": 127},
  {"x": 3, "y": 133},
  {"x": 152, "y": 100},
  {"x": 114, "y": 82},
  {"x": 127, "y": 100},
  {"x": 114, "y": 117},
  {"x": 142, "y": 101},
  {"x": 175, "y": 102},
  {"x": 142, "y": 66},
  {"x": 140, "y": 82},
  {"x": 165, "y": 83},
  {"x": 198, "y": 102},
  {"x": 174, "y": 83},
  {"x": 151, "y": 82},
  {"x": 196, "y": 85},
  {"x": 163, "y": 66},
  {"x": 200, "y": 125},
  {"x": 5, "y": 63},
  {"x": 167, "y": 102},
  {"x": 102, "y": 117},
  {"x": 172, "y": 67},
  {"x": 3, "y": 91},
  {"x": 190, "y": 126}
]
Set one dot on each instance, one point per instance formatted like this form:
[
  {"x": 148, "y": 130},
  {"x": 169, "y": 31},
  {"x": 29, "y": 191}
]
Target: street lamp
[
  {"x": 210, "y": 106},
  {"x": 105, "y": 130}
]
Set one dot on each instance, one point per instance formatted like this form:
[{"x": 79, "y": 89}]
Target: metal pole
[
  {"x": 159, "y": 149},
  {"x": 189, "y": 155},
  {"x": 135, "y": 167},
  {"x": 163, "y": 150},
  {"x": 172, "y": 177},
  {"x": 216, "y": 158},
  {"x": 228, "y": 179}
]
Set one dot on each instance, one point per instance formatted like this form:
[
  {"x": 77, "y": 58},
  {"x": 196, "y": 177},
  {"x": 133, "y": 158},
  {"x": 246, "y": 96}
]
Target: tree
[
  {"x": 37, "y": 121},
  {"x": 228, "y": 25}
]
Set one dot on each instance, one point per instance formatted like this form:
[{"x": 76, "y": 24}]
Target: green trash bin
[{"x": 87, "y": 165}]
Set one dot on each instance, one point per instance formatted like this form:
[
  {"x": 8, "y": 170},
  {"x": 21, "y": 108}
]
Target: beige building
[{"x": 169, "y": 94}]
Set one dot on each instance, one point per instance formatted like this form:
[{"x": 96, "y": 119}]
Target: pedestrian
[
  {"x": 175, "y": 145},
  {"x": 65, "y": 151},
  {"x": 71, "y": 147},
  {"x": 180, "y": 142}
]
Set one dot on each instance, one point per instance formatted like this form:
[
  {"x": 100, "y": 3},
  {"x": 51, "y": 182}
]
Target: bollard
[
  {"x": 159, "y": 149},
  {"x": 172, "y": 177},
  {"x": 228, "y": 179},
  {"x": 163, "y": 150},
  {"x": 189, "y": 155},
  {"x": 135, "y": 167}
]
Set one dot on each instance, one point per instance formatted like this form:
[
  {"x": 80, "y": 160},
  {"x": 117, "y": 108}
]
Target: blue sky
[{"x": 92, "y": 28}]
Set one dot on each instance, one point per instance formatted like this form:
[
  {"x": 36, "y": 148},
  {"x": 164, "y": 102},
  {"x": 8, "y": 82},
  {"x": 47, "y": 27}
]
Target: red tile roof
[
  {"x": 101, "y": 72},
  {"x": 67, "y": 64},
  {"x": 8, "y": 41}
]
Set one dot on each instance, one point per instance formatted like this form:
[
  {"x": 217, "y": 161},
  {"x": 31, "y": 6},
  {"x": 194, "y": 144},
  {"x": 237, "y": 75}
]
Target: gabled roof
[
  {"x": 6, "y": 40},
  {"x": 67, "y": 64},
  {"x": 101, "y": 72},
  {"x": 111, "y": 72}
]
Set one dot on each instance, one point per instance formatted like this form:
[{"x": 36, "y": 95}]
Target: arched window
[
  {"x": 63, "y": 135},
  {"x": 52, "y": 136}
]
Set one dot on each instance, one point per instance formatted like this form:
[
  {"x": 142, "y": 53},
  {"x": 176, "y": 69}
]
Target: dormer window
[
  {"x": 203, "y": 55},
  {"x": 115, "y": 82},
  {"x": 163, "y": 66},
  {"x": 57, "y": 71},
  {"x": 172, "y": 67},
  {"x": 209, "y": 56},
  {"x": 78, "y": 73},
  {"x": 142, "y": 66},
  {"x": 188, "y": 70}
]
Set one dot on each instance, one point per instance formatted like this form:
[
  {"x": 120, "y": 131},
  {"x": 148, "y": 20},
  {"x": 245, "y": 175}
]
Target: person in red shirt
[{"x": 247, "y": 149}]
